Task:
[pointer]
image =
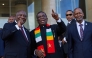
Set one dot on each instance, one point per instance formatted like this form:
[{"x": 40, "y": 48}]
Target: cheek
[{"x": 75, "y": 16}]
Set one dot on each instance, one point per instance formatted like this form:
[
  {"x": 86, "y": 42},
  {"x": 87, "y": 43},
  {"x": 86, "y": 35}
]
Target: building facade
[{"x": 10, "y": 7}]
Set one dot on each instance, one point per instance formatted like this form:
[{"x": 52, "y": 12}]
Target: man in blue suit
[
  {"x": 80, "y": 37},
  {"x": 16, "y": 37},
  {"x": 1, "y": 46}
]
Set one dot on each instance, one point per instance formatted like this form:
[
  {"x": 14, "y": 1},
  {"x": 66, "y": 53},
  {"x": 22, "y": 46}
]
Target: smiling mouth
[{"x": 42, "y": 21}]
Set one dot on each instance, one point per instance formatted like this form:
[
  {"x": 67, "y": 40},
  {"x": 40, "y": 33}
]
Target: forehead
[
  {"x": 41, "y": 13},
  {"x": 69, "y": 12},
  {"x": 21, "y": 12},
  {"x": 11, "y": 17},
  {"x": 77, "y": 10}
]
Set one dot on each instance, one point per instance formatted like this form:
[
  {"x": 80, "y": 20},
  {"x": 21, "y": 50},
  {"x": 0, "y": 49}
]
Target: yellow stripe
[
  {"x": 37, "y": 31},
  {"x": 49, "y": 37}
]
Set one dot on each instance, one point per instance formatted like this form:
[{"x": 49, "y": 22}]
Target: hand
[
  {"x": 55, "y": 15},
  {"x": 20, "y": 22},
  {"x": 63, "y": 41},
  {"x": 2, "y": 57},
  {"x": 39, "y": 53}
]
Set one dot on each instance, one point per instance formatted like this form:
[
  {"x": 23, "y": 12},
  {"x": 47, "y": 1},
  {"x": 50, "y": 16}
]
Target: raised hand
[
  {"x": 55, "y": 15},
  {"x": 20, "y": 22}
]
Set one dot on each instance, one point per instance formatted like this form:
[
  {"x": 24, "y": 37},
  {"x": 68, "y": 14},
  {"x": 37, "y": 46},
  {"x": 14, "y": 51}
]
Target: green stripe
[
  {"x": 49, "y": 33},
  {"x": 37, "y": 35}
]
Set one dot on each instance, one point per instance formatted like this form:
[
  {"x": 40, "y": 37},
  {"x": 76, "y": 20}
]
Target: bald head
[
  {"x": 78, "y": 9},
  {"x": 11, "y": 19}
]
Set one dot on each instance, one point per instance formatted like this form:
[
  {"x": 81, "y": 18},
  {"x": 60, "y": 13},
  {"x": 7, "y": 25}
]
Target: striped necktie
[
  {"x": 24, "y": 34},
  {"x": 81, "y": 32}
]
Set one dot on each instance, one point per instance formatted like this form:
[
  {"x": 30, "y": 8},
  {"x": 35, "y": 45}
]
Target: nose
[{"x": 22, "y": 16}]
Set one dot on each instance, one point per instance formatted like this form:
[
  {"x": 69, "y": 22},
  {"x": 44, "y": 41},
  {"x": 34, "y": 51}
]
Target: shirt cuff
[
  {"x": 17, "y": 27},
  {"x": 65, "y": 39},
  {"x": 34, "y": 52},
  {"x": 59, "y": 20}
]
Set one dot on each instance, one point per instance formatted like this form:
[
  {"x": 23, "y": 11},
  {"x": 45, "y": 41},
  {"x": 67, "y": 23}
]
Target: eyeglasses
[{"x": 68, "y": 14}]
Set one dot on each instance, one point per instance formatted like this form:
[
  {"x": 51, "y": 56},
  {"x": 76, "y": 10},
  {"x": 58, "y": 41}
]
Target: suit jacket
[
  {"x": 1, "y": 45},
  {"x": 78, "y": 48},
  {"x": 56, "y": 32},
  {"x": 15, "y": 44},
  {"x": 65, "y": 46}
]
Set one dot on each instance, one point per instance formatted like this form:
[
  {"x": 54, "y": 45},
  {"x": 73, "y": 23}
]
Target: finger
[
  {"x": 52, "y": 11},
  {"x": 40, "y": 53},
  {"x": 41, "y": 56},
  {"x": 21, "y": 19}
]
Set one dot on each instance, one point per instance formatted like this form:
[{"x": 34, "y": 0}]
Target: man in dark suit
[
  {"x": 70, "y": 19},
  {"x": 16, "y": 37},
  {"x": 80, "y": 37},
  {"x": 1, "y": 45},
  {"x": 45, "y": 36}
]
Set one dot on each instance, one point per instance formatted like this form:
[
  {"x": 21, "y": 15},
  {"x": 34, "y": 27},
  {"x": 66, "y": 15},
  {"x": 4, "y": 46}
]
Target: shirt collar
[
  {"x": 69, "y": 22},
  {"x": 83, "y": 22},
  {"x": 16, "y": 22}
]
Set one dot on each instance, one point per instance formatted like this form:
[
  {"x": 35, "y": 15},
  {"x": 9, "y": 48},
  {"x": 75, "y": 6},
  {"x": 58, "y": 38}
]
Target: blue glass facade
[{"x": 63, "y": 5}]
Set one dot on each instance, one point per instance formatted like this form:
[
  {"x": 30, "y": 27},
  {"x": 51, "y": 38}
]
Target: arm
[
  {"x": 1, "y": 46},
  {"x": 60, "y": 28},
  {"x": 8, "y": 30},
  {"x": 70, "y": 44}
]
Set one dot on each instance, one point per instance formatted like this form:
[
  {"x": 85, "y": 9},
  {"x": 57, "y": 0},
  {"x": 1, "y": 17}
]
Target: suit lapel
[
  {"x": 76, "y": 31},
  {"x": 27, "y": 33},
  {"x": 22, "y": 36}
]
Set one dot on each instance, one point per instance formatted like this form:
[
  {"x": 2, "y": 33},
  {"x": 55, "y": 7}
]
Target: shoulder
[
  {"x": 8, "y": 24},
  {"x": 54, "y": 25},
  {"x": 32, "y": 31},
  {"x": 88, "y": 23}
]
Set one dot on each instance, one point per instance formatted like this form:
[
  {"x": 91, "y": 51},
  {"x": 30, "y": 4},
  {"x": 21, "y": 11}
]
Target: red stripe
[
  {"x": 37, "y": 28},
  {"x": 41, "y": 47},
  {"x": 50, "y": 46}
]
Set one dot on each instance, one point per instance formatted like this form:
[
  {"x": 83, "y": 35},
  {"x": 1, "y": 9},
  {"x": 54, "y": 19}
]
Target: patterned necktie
[
  {"x": 81, "y": 32},
  {"x": 24, "y": 34}
]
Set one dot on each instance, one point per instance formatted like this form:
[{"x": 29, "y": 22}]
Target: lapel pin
[{"x": 86, "y": 23}]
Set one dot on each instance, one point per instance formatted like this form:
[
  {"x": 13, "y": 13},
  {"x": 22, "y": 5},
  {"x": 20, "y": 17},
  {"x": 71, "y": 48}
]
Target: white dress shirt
[
  {"x": 20, "y": 29},
  {"x": 78, "y": 27}
]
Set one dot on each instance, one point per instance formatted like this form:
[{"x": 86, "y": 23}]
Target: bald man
[{"x": 80, "y": 37}]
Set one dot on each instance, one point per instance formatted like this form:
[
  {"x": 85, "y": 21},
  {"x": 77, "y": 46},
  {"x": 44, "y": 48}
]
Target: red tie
[{"x": 24, "y": 34}]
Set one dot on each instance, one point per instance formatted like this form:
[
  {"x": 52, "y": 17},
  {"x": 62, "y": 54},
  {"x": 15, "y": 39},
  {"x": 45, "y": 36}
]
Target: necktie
[
  {"x": 81, "y": 32},
  {"x": 68, "y": 24},
  {"x": 24, "y": 34}
]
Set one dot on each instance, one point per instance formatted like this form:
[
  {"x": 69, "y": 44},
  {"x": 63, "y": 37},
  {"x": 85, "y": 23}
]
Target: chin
[{"x": 42, "y": 24}]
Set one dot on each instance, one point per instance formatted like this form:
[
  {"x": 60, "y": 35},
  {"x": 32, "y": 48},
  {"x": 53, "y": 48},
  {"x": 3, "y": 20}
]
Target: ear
[{"x": 83, "y": 14}]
